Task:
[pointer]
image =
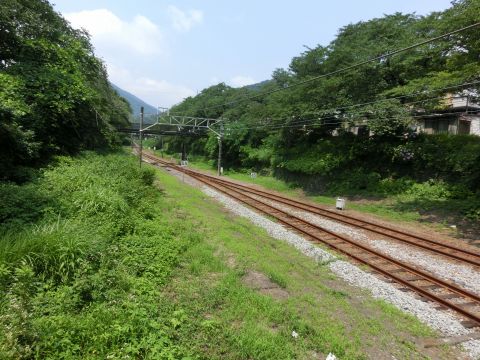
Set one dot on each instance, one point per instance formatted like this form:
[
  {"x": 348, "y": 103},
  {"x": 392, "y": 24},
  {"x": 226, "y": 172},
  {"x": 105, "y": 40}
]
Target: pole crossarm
[
  {"x": 185, "y": 121},
  {"x": 191, "y": 121},
  {"x": 188, "y": 133},
  {"x": 180, "y": 122}
]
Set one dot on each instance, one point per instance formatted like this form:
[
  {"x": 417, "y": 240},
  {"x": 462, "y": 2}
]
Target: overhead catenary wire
[
  {"x": 343, "y": 114},
  {"x": 403, "y": 96},
  {"x": 363, "y": 121},
  {"x": 320, "y": 121},
  {"x": 338, "y": 109},
  {"x": 423, "y": 92},
  {"x": 312, "y": 125},
  {"x": 289, "y": 123},
  {"x": 344, "y": 69}
]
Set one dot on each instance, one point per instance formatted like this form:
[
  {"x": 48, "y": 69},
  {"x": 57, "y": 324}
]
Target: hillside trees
[
  {"x": 266, "y": 130},
  {"x": 54, "y": 93}
]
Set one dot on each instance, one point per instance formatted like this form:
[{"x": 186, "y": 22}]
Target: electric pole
[
  {"x": 141, "y": 135},
  {"x": 220, "y": 138}
]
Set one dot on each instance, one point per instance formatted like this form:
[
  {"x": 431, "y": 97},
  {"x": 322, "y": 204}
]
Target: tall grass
[{"x": 83, "y": 254}]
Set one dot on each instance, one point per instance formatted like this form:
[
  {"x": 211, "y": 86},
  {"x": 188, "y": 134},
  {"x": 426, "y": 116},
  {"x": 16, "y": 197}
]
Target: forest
[
  {"x": 300, "y": 132},
  {"x": 55, "y": 97}
]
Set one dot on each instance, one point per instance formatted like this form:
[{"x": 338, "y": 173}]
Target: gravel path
[
  {"x": 464, "y": 275},
  {"x": 443, "y": 321}
]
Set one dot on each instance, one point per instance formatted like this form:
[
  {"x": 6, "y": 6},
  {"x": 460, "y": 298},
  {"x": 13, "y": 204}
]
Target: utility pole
[
  {"x": 184, "y": 155},
  {"x": 141, "y": 136},
  {"x": 220, "y": 138}
]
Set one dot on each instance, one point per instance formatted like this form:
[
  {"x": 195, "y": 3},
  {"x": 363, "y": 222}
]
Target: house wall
[
  {"x": 438, "y": 125},
  {"x": 475, "y": 125},
  {"x": 449, "y": 125},
  {"x": 460, "y": 101},
  {"x": 452, "y": 126}
]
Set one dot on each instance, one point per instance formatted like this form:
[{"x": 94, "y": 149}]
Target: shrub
[
  {"x": 21, "y": 204},
  {"x": 83, "y": 279}
]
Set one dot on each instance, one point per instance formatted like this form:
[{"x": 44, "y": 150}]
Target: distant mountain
[
  {"x": 258, "y": 86},
  {"x": 135, "y": 102}
]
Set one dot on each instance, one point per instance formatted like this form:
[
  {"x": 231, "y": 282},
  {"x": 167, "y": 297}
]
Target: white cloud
[
  {"x": 118, "y": 41},
  {"x": 154, "y": 91},
  {"x": 111, "y": 34},
  {"x": 184, "y": 21},
  {"x": 239, "y": 81}
]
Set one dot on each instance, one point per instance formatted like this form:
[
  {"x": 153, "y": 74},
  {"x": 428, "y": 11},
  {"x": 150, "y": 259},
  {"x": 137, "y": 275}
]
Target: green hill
[{"x": 135, "y": 102}]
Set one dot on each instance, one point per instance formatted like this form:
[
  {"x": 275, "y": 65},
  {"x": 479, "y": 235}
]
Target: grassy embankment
[{"x": 101, "y": 260}]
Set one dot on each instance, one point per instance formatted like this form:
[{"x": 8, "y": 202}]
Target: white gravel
[
  {"x": 464, "y": 275},
  {"x": 445, "y": 322}
]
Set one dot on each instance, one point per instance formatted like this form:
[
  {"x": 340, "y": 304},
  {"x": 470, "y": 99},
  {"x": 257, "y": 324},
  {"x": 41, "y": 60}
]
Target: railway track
[
  {"x": 458, "y": 254},
  {"x": 455, "y": 253},
  {"x": 426, "y": 285}
]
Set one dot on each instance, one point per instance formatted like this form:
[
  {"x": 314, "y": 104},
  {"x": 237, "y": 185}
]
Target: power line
[
  {"x": 405, "y": 96},
  {"x": 364, "y": 104},
  {"x": 347, "y": 68},
  {"x": 314, "y": 121},
  {"x": 337, "y": 109},
  {"x": 364, "y": 121},
  {"x": 302, "y": 122}
]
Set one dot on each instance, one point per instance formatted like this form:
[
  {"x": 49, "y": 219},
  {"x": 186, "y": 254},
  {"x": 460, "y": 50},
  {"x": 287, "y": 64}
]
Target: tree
[{"x": 55, "y": 93}]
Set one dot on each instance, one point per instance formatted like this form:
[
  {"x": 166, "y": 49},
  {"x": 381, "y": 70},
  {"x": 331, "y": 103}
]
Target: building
[{"x": 460, "y": 117}]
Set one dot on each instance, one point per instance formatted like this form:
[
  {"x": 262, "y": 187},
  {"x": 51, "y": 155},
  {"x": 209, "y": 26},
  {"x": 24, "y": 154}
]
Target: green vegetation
[
  {"x": 99, "y": 259},
  {"x": 54, "y": 94},
  {"x": 296, "y": 135},
  {"x": 83, "y": 279},
  {"x": 402, "y": 199}
]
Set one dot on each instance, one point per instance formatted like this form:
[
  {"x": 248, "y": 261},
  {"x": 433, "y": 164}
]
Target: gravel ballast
[
  {"x": 444, "y": 321},
  {"x": 463, "y": 275}
]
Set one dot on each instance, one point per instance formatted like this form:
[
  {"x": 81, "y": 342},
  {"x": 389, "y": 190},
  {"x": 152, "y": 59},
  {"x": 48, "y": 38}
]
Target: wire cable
[
  {"x": 364, "y": 121},
  {"x": 347, "y": 68},
  {"x": 332, "y": 110}
]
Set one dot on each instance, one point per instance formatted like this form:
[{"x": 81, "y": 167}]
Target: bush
[
  {"x": 392, "y": 186},
  {"x": 84, "y": 278},
  {"x": 21, "y": 204},
  {"x": 357, "y": 180}
]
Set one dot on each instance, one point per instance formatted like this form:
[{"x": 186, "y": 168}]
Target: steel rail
[
  {"x": 376, "y": 228},
  {"x": 350, "y": 220},
  {"x": 424, "y": 276}
]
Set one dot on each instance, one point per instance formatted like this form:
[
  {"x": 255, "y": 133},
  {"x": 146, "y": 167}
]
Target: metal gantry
[{"x": 164, "y": 118}]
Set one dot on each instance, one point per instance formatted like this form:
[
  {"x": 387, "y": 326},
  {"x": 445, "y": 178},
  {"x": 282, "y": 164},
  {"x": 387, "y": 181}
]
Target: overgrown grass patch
[{"x": 84, "y": 279}]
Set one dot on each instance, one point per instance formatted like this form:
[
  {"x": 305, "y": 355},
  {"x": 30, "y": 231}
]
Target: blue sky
[{"x": 164, "y": 51}]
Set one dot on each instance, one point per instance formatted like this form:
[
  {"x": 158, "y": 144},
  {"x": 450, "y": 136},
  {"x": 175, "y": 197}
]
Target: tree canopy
[
  {"x": 54, "y": 93},
  {"x": 307, "y": 113}
]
